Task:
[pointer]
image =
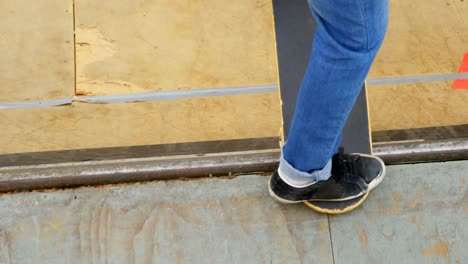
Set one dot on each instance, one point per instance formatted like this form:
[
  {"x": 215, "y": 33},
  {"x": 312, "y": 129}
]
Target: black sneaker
[
  {"x": 370, "y": 168},
  {"x": 353, "y": 175},
  {"x": 340, "y": 187}
]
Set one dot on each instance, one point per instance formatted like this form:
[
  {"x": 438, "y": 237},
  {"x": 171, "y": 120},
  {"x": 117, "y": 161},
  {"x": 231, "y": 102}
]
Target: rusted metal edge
[
  {"x": 75, "y": 174},
  {"x": 23, "y": 178},
  {"x": 422, "y": 151}
]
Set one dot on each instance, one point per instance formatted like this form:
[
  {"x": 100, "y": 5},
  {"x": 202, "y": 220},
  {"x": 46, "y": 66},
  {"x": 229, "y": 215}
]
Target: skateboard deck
[
  {"x": 337, "y": 207},
  {"x": 294, "y": 30}
]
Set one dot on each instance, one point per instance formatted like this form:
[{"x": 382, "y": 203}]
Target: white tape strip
[
  {"x": 200, "y": 92},
  {"x": 174, "y": 95},
  {"x": 417, "y": 79},
  {"x": 146, "y": 97},
  {"x": 36, "y": 104}
]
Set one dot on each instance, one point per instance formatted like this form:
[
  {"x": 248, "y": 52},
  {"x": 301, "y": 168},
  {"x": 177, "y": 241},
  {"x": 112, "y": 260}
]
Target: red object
[{"x": 462, "y": 83}]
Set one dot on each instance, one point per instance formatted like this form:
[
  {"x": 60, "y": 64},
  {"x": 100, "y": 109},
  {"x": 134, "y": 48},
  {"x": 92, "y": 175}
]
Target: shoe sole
[{"x": 284, "y": 201}]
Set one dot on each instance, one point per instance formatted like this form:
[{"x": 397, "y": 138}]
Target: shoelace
[
  {"x": 347, "y": 165},
  {"x": 350, "y": 164}
]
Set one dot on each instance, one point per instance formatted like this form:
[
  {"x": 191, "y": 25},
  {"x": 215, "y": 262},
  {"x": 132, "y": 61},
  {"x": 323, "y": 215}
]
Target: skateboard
[{"x": 294, "y": 28}]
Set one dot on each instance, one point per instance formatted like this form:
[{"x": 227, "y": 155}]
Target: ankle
[{"x": 297, "y": 183}]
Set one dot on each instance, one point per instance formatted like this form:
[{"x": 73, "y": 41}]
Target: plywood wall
[
  {"x": 140, "y": 46},
  {"x": 424, "y": 37},
  {"x": 137, "y": 46},
  {"x": 417, "y": 105},
  {"x": 110, "y": 125},
  {"x": 36, "y": 50}
]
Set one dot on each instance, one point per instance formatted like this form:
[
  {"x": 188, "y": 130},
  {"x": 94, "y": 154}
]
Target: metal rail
[
  {"x": 74, "y": 174},
  {"x": 422, "y": 151}
]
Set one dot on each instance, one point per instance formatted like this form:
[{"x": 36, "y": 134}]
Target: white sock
[{"x": 293, "y": 182}]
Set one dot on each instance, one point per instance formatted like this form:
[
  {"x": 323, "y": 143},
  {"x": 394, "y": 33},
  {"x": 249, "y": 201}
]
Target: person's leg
[{"x": 347, "y": 38}]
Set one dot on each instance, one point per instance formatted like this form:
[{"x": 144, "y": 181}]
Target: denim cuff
[{"x": 297, "y": 175}]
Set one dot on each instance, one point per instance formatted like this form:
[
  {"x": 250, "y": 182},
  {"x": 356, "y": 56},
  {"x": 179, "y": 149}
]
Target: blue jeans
[{"x": 349, "y": 33}]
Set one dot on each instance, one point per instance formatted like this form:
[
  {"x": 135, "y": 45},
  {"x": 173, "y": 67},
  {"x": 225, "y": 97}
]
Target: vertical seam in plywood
[{"x": 74, "y": 48}]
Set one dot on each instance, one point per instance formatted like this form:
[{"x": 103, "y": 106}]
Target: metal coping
[{"x": 72, "y": 168}]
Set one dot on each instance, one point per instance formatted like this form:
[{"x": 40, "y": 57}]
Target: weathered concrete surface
[
  {"x": 418, "y": 215},
  {"x": 204, "y": 221}
]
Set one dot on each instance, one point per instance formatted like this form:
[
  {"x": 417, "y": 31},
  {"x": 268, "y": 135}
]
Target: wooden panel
[
  {"x": 424, "y": 37},
  {"x": 100, "y": 125},
  {"x": 417, "y": 215},
  {"x": 417, "y": 105},
  {"x": 36, "y": 43},
  {"x": 137, "y": 46},
  {"x": 205, "y": 221}
]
